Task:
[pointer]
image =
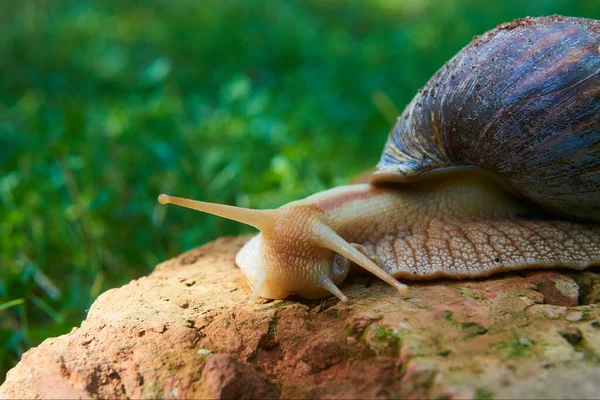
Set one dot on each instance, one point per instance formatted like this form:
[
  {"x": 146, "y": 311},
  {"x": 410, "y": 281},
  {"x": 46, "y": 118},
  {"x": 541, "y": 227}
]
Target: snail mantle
[{"x": 186, "y": 331}]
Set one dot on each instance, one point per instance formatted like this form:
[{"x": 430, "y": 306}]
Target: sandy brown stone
[
  {"x": 186, "y": 331},
  {"x": 224, "y": 377}
]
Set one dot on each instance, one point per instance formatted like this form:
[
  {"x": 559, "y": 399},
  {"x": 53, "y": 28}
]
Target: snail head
[{"x": 295, "y": 253}]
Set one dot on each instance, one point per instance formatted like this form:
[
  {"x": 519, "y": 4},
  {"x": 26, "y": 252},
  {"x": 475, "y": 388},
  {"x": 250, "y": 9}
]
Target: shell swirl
[{"x": 522, "y": 102}]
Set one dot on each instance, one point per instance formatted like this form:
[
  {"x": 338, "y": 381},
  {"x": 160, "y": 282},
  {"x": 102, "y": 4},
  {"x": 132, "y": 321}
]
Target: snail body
[{"x": 492, "y": 167}]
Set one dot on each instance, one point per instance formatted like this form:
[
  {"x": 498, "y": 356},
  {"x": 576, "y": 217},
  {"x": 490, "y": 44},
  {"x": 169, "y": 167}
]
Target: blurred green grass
[{"x": 106, "y": 104}]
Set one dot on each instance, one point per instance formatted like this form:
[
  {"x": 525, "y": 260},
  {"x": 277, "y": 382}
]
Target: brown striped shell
[{"x": 521, "y": 102}]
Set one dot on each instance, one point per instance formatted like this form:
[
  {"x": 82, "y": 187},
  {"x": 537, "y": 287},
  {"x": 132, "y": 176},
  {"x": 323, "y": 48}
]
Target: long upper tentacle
[{"x": 260, "y": 219}]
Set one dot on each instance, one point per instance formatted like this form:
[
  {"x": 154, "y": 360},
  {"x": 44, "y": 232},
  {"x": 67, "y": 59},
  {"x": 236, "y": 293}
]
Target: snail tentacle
[
  {"x": 328, "y": 285},
  {"x": 260, "y": 219},
  {"x": 327, "y": 238}
]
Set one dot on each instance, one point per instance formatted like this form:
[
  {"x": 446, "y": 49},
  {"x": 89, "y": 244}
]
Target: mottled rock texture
[{"x": 186, "y": 331}]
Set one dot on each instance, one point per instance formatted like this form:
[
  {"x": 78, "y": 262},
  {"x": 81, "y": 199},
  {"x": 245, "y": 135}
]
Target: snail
[{"x": 493, "y": 166}]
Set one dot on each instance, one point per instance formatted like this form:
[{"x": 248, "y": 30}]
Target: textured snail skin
[
  {"x": 499, "y": 162},
  {"x": 457, "y": 228},
  {"x": 522, "y": 102}
]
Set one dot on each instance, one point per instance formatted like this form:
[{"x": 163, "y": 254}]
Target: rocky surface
[{"x": 186, "y": 331}]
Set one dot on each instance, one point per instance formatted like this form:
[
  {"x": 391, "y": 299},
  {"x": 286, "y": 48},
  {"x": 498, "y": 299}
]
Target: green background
[{"x": 106, "y": 104}]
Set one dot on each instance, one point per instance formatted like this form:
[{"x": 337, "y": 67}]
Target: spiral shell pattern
[{"x": 521, "y": 102}]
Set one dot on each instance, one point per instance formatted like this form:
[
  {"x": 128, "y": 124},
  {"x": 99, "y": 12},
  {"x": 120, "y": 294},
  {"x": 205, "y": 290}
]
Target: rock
[
  {"x": 224, "y": 377},
  {"x": 186, "y": 331},
  {"x": 558, "y": 289}
]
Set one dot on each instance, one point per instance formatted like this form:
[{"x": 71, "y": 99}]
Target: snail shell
[{"x": 522, "y": 103}]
